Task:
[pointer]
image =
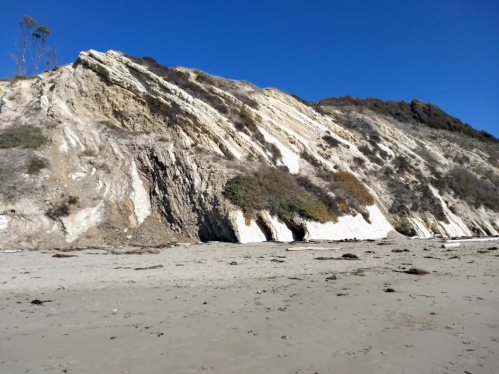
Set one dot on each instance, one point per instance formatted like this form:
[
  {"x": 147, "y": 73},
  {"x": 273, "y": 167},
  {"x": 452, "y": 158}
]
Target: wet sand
[{"x": 226, "y": 308}]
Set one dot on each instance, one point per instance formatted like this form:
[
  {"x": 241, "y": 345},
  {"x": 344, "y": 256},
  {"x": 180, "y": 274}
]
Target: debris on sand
[
  {"x": 492, "y": 249},
  {"x": 416, "y": 271},
  {"x": 342, "y": 294},
  {"x": 332, "y": 277},
  {"x": 386, "y": 243},
  {"x": 277, "y": 260},
  {"x": 150, "y": 267},
  {"x": 233, "y": 263},
  {"x": 60, "y": 255},
  {"x": 359, "y": 272},
  {"x": 451, "y": 245},
  {"x": 397, "y": 251},
  {"x": 346, "y": 256},
  {"x": 390, "y": 290},
  {"x": 313, "y": 248},
  {"x": 40, "y": 302},
  {"x": 132, "y": 251}
]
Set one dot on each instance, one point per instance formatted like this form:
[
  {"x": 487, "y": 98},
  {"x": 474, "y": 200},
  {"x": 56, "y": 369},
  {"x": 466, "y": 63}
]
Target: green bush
[
  {"x": 277, "y": 191},
  {"x": 25, "y": 136}
]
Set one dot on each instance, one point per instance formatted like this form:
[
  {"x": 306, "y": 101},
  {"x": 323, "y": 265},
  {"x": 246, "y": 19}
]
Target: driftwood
[
  {"x": 150, "y": 267},
  {"x": 60, "y": 255},
  {"x": 473, "y": 240},
  {"x": 132, "y": 251},
  {"x": 313, "y": 248}
]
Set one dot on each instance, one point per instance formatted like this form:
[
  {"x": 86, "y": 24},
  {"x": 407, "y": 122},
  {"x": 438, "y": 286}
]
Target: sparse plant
[
  {"x": 73, "y": 200},
  {"x": 25, "y": 136},
  {"x": 58, "y": 211},
  {"x": 88, "y": 153},
  {"x": 468, "y": 187},
  {"x": 36, "y": 165},
  {"x": 333, "y": 142},
  {"x": 359, "y": 161},
  {"x": 370, "y": 154},
  {"x": 401, "y": 164},
  {"x": 62, "y": 209}
]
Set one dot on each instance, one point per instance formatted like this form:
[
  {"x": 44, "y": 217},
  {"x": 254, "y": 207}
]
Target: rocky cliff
[{"x": 120, "y": 150}]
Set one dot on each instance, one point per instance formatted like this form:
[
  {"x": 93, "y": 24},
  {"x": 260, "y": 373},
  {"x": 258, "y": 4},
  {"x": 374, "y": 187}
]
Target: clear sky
[{"x": 440, "y": 51}]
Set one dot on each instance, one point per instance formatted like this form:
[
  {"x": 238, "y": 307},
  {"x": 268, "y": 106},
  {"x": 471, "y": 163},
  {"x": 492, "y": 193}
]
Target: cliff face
[{"x": 118, "y": 150}]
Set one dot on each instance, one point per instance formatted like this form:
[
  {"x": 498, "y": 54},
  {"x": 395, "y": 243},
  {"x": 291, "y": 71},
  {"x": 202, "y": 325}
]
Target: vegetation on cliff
[
  {"x": 277, "y": 191},
  {"x": 25, "y": 136},
  {"x": 284, "y": 194},
  {"x": 416, "y": 112}
]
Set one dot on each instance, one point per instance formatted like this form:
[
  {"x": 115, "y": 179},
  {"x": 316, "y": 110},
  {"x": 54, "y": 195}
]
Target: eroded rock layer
[{"x": 120, "y": 150}]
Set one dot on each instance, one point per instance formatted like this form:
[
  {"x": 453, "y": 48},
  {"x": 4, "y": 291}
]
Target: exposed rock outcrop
[{"x": 132, "y": 152}]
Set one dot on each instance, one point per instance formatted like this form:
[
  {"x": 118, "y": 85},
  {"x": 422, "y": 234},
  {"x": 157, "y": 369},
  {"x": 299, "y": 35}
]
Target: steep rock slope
[{"x": 115, "y": 149}]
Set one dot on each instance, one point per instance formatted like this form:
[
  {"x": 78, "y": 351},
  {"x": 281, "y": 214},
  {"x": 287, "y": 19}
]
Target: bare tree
[
  {"x": 32, "y": 49},
  {"x": 26, "y": 28},
  {"x": 51, "y": 58}
]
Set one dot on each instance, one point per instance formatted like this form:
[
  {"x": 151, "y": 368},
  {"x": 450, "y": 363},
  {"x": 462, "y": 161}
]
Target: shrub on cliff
[
  {"x": 353, "y": 187},
  {"x": 475, "y": 191},
  {"x": 36, "y": 165},
  {"x": 25, "y": 136},
  {"x": 416, "y": 112},
  {"x": 277, "y": 191}
]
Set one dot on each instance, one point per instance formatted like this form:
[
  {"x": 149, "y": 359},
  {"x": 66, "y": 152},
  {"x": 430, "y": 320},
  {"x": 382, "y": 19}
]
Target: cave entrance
[
  {"x": 264, "y": 228},
  {"x": 298, "y": 233}
]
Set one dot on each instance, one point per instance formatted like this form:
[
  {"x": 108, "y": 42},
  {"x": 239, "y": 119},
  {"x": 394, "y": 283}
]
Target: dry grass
[
  {"x": 25, "y": 136},
  {"x": 353, "y": 187}
]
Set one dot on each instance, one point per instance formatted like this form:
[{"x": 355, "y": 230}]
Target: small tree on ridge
[{"x": 33, "y": 52}]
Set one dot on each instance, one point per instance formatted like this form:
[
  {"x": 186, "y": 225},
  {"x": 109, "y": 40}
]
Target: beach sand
[{"x": 256, "y": 308}]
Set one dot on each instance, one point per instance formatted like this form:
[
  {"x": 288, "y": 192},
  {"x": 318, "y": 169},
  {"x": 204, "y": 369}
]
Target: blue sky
[{"x": 440, "y": 51}]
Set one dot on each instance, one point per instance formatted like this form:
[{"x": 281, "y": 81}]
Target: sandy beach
[{"x": 258, "y": 308}]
